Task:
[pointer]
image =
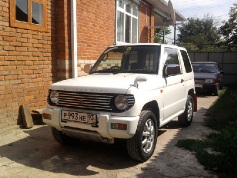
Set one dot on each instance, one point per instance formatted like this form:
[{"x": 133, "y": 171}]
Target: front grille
[{"x": 89, "y": 101}]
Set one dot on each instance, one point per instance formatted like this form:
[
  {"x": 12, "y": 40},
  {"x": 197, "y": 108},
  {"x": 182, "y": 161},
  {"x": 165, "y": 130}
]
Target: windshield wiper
[
  {"x": 120, "y": 71},
  {"x": 105, "y": 71}
]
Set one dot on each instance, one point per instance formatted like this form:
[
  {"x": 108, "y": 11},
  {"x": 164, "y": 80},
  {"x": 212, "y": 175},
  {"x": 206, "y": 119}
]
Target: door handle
[{"x": 182, "y": 80}]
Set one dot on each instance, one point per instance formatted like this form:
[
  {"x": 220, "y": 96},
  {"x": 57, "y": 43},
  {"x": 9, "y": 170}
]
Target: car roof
[{"x": 149, "y": 44}]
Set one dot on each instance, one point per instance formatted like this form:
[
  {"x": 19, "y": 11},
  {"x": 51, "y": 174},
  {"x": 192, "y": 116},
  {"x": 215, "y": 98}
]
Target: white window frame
[{"x": 131, "y": 16}]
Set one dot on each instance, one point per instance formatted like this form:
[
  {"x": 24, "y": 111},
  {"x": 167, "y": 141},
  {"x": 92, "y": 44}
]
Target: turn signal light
[
  {"x": 119, "y": 126},
  {"x": 47, "y": 116}
]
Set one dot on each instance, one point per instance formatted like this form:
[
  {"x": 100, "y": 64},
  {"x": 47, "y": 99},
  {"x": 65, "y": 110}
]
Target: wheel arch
[{"x": 154, "y": 107}]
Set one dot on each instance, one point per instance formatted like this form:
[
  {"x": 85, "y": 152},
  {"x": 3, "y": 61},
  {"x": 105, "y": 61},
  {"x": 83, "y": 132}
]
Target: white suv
[{"x": 129, "y": 93}]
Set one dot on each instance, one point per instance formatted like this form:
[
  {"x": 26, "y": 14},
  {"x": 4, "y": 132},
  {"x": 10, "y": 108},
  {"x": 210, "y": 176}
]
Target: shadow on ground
[{"x": 39, "y": 150}]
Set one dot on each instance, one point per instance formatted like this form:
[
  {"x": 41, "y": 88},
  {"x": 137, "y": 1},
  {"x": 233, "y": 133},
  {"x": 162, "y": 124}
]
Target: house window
[
  {"x": 28, "y": 14},
  {"x": 127, "y": 21}
]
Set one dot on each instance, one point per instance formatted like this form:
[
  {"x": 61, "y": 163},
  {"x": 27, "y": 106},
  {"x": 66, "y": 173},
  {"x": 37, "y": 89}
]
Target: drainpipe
[{"x": 74, "y": 37}]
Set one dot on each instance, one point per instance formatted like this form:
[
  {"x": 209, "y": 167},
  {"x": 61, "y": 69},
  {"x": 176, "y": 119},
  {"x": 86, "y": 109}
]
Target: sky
[{"x": 217, "y": 9}]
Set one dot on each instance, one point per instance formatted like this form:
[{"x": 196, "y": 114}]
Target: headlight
[
  {"x": 121, "y": 102},
  {"x": 209, "y": 81},
  {"x": 54, "y": 97}
]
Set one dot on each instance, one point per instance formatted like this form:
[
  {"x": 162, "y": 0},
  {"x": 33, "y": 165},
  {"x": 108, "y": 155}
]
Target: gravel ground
[{"x": 34, "y": 153}]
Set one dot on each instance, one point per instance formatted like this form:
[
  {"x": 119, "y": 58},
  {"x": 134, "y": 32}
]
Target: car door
[{"x": 174, "y": 86}]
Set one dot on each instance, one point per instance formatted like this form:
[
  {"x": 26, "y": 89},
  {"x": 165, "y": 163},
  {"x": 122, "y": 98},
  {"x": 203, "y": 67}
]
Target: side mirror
[
  {"x": 139, "y": 79},
  {"x": 87, "y": 68}
]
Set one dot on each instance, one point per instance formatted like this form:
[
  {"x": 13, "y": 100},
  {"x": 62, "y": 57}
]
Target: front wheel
[
  {"x": 186, "y": 118},
  {"x": 142, "y": 145}
]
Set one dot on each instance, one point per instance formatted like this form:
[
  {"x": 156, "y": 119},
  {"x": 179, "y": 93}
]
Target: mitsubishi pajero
[{"x": 130, "y": 92}]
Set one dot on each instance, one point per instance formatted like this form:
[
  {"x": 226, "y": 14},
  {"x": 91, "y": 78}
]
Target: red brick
[
  {"x": 11, "y": 77},
  {"x": 8, "y": 38},
  {"x": 15, "y": 43},
  {"x": 23, "y": 40},
  {"x": 21, "y": 49},
  {"x": 3, "y": 53},
  {"x": 26, "y": 54},
  {"x": 4, "y": 63},
  {"x": 10, "y": 58},
  {"x": 13, "y": 53},
  {"x": 9, "y": 48}
]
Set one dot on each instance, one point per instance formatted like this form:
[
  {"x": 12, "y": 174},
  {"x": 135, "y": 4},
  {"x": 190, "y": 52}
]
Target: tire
[
  {"x": 217, "y": 90},
  {"x": 142, "y": 145},
  {"x": 62, "y": 138},
  {"x": 186, "y": 118}
]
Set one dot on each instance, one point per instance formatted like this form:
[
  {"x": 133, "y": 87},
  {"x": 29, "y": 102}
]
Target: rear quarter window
[{"x": 186, "y": 61}]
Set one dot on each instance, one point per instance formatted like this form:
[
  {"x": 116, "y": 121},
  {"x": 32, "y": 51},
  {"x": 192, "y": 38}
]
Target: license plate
[
  {"x": 197, "y": 85},
  {"x": 78, "y": 117}
]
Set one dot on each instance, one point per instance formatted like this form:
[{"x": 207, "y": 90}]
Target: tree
[
  {"x": 159, "y": 34},
  {"x": 199, "y": 34},
  {"x": 229, "y": 30}
]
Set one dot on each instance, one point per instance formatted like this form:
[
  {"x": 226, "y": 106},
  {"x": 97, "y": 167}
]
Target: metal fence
[{"x": 228, "y": 62}]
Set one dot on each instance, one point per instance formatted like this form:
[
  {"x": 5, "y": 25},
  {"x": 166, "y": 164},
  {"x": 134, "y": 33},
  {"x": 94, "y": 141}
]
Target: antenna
[{"x": 172, "y": 13}]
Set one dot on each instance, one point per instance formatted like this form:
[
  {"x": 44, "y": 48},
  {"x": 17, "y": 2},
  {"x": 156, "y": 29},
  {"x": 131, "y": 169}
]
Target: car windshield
[
  {"x": 128, "y": 59},
  {"x": 204, "y": 68}
]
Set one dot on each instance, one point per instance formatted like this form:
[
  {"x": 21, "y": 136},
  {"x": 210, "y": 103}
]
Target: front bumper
[
  {"x": 205, "y": 87},
  {"x": 103, "y": 128}
]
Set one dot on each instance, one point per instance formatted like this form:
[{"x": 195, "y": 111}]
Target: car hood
[
  {"x": 105, "y": 83},
  {"x": 205, "y": 75}
]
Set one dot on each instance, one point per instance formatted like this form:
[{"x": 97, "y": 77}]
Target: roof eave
[{"x": 162, "y": 6}]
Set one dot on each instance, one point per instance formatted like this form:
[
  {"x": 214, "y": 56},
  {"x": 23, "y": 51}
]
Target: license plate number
[
  {"x": 198, "y": 85},
  {"x": 78, "y": 117}
]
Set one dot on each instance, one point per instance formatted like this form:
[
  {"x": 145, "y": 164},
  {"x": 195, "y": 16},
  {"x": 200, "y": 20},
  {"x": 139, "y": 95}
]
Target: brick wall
[
  {"x": 96, "y": 29},
  {"x": 26, "y": 65}
]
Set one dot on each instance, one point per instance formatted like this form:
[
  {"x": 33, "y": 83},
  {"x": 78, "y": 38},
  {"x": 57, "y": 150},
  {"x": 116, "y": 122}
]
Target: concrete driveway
[{"x": 34, "y": 153}]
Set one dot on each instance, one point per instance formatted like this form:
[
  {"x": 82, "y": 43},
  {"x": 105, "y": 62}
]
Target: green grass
[{"x": 221, "y": 117}]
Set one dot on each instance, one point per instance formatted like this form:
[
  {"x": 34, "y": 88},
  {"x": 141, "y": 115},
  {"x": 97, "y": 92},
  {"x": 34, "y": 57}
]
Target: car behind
[{"x": 208, "y": 77}]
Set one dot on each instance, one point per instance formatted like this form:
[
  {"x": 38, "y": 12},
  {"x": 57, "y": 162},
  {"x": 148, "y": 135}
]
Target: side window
[
  {"x": 186, "y": 61},
  {"x": 29, "y": 14},
  {"x": 172, "y": 61}
]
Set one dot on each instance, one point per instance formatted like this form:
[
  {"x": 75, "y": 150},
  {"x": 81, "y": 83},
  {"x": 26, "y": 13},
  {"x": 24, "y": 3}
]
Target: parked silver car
[{"x": 208, "y": 77}]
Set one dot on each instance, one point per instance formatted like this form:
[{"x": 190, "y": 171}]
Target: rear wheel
[
  {"x": 62, "y": 138},
  {"x": 142, "y": 145},
  {"x": 186, "y": 118}
]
